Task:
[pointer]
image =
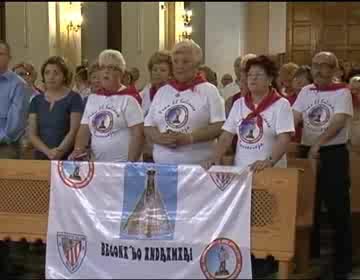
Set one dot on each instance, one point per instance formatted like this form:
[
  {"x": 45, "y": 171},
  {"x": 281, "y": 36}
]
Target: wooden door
[
  {"x": 114, "y": 31},
  {"x": 302, "y": 31},
  {"x": 2, "y": 21},
  {"x": 323, "y": 26}
]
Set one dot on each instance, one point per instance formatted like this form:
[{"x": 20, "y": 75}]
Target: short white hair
[
  {"x": 355, "y": 79},
  {"x": 189, "y": 45},
  {"x": 112, "y": 57},
  {"x": 245, "y": 59}
]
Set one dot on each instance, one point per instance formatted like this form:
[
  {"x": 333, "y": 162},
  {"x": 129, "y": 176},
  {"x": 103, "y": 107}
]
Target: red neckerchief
[
  {"x": 154, "y": 89},
  {"x": 179, "y": 86},
  {"x": 135, "y": 93},
  {"x": 127, "y": 91},
  {"x": 270, "y": 99},
  {"x": 331, "y": 87},
  {"x": 291, "y": 98}
]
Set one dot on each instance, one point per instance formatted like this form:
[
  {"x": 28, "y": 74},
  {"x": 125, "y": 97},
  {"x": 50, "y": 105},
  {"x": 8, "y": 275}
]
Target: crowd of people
[{"x": 182, "y": 116}]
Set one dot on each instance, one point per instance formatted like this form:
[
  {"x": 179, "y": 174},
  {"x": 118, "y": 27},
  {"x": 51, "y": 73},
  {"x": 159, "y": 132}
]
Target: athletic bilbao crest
[
  {"x": 222, "y": 179},
  {"x": 72, "y": 250}
]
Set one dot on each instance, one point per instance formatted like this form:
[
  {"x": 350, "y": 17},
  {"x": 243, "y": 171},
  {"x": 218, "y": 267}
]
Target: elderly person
[
  {"x": 54, "y": 116},
  {"x": 208, "y": 74},
  {"x": 261, "y": 119},
  {"x": 95, "y": 77},
  {"x": 160, "y": 68},
  {"x": 186, "y": 115},
  {"x": 82, "y": 84},
  {"x": 286, "y": 75},
  {"x": 129, "y": 81},
  {"x": 28, "y": 73},
  {"x": 226, "y": 79},
  {"x": 15, "y": 94},
  {"x": 326, "y": 109},
  {"x": 113, "y": 119},
  {"x": 233, "y": 88},
  {"x": 242, "y": 83},
  {"x": 302, "y": 78},
  {"x": 355, "y": 124}
]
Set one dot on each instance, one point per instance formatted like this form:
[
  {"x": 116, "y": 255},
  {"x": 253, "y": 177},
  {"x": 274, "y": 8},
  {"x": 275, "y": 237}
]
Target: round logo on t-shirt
[
  {"x": 177, "y": 116},
  {"x": 250, "y": 132},
  {"x": 319, "y": 115},
  {"x": 103, "y": 122}
]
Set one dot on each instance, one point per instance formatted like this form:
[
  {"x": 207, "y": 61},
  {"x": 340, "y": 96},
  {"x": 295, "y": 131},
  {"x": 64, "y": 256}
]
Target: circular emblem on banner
[
  {"x": 221, "y": 259},
  {"x": 319, "y": 115},
  {"x": 103, "y": 122},
  {"x": 76, "y": 174},
  {"x": 177, "y": 116},
  {"x": 250, "y": 132}
]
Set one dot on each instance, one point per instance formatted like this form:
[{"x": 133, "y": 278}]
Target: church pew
[
  {"x": 355, "y": 203},
  {"x": 305, "y": 204},
  {"x": 24, "y": 203}
]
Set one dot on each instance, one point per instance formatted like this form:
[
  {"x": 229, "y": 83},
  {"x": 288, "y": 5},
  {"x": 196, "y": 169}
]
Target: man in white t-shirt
[{"x": 326, "y": 109}]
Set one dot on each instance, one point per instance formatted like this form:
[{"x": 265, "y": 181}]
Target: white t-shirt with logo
[
  {"x": 109, "y": 119},
  {"x": 255, "y": 143},
  {"x": 185, "y": 112},
  {"x": 318, "y": 108}
]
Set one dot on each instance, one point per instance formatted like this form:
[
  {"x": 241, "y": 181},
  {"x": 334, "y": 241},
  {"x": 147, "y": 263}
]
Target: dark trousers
[{"x": 332, "y": 188}]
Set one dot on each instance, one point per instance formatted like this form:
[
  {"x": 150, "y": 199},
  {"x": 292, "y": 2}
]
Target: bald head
[
  {"x": 324, "y": 67},
  {"x": 327, "y": 57}
]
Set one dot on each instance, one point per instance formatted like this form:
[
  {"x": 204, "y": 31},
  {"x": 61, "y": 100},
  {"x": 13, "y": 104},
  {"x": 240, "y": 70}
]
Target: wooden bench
[
  {"x": 24, "y": 203},
  {"x": 355, "y": 204}
]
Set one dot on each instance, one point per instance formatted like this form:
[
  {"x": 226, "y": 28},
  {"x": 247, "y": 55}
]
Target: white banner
[{"x": 117, "y": 220}]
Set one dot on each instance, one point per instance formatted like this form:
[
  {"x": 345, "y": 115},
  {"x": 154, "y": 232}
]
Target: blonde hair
[
  {"x": 186, "y": 45},
  {"x": 112, "y": 57},
  {"x": 160, "y": 57},
  {"x": 290, "y": 68}
]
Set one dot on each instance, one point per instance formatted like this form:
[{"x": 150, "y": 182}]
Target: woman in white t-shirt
[
  {"x": 186, "y": 115},
  {"x": 262, "y": 120},
  {"x": 113, "y": 118}
]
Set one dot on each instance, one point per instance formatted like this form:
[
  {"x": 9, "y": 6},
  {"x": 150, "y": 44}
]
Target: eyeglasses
[
  {"x": 23, "y": 74},
  {"x": 110, "y": 68},
  {"x": 257, "y": 75},
  {"x": 322, "y": 65}
]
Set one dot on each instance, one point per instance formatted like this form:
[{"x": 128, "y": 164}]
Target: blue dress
[{"x": 54, "y": 124}]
